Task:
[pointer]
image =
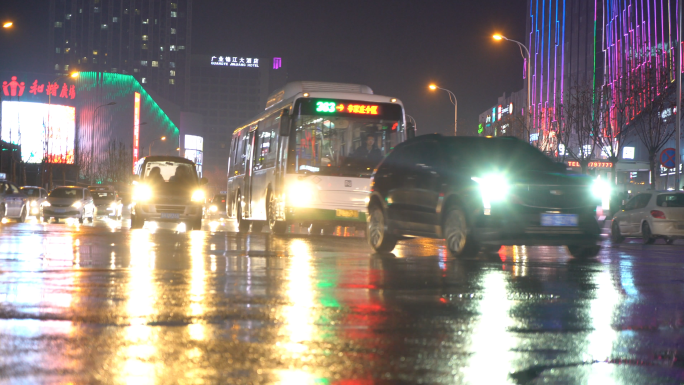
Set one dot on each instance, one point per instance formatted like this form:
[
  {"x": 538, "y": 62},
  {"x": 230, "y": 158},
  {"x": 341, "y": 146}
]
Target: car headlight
[
  {"x": 601, "y": 188},
  {"x": 142, "y": 193},
  {"x": 198, "y": 196},
  {"x": 493, "y": 187},
  {"x": 46, "y": 204},
  {"x": 213, "y": 208},
  {"x": 113, "y": 205},
  {"x": 77, "y": 205},
  {"x": 300, "y": 194},
  {"x": 34, "y": 203}
]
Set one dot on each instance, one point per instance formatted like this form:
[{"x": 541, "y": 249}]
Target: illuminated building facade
[
  {"x": 149, "y": 39},
  {"x": 226, "y": 91}
]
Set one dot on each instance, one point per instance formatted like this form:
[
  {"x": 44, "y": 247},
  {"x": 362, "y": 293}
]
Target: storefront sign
[
  {"x": 592, "y": 164},
  {"x": 16, "y": 88},
  {"x": 234, "y": 61}
]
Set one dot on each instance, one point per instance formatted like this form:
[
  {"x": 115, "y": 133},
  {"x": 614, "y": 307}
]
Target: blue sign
[{"x": 667, "y": 158}]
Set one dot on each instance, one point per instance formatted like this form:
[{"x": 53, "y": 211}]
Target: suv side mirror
[
  {"x": 204, "y": 181},
  {"x": 285, "y": 123}
]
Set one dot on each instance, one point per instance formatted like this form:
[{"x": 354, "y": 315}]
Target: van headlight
[
  {"x": 198, "y": 196},
  {"x": 142, "y": 193},
  {"x": 300, "y": 194},
  {"x": 213, "y": 208},
  {"x": 77, "y": 205},
  {"x": 493, "y": 187},
  {"x": 34, "y": 203}
]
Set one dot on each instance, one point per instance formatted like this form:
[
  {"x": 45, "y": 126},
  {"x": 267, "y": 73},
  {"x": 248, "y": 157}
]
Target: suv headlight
[
  {"x": 77, "y": 205},
  {"x": 142, "y": 193},
  {"x": 493, "y": 187},
  {"x": 198, "y": 196},
  {"x": 34, "y": 203}
]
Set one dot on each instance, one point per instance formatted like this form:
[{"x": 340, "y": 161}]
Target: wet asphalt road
[{"x": 102, "y": 304}]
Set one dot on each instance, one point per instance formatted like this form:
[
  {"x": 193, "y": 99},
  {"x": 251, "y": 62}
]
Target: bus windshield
[{"x": 340, "y": 146}]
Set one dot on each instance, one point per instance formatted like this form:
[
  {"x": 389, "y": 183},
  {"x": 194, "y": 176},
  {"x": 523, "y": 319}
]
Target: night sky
[{"x": 397, "y": 47}]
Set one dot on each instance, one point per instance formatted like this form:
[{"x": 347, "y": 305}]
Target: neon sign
[
  {"x": 234, "y": 61},
  {"x": 136, "y": 129},
  {"x": 574, "y": 163},
  {"x": 351, "y": 108},
  {"x": 15, "y": 88}
]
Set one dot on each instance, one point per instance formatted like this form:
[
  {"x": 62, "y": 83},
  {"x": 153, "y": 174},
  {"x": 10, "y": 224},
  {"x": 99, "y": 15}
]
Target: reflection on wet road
[{"x": 85, "y": 304}]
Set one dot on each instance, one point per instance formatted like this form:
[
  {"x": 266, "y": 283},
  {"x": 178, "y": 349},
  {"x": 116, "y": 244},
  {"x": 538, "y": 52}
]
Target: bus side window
[
  {"x": 267, "y": 142},
  {"x": 234, "y": 157}
]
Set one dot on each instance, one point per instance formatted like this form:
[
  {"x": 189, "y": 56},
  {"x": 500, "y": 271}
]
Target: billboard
[
  {"x": 194, "y": 147},
  {"x": 32, "y": 125}
]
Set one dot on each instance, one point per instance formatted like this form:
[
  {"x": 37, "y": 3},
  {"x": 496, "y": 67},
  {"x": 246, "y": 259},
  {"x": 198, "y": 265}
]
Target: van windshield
[
  {"x": 181, "y": 173},
  {"x": 340, "y": 146}
]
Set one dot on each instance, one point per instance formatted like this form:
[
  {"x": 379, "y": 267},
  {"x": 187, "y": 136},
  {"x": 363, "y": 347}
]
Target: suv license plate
[
  {"x": 559, "y": 220},
  {"x": 347, "y": 213},
  {"x": 170, "y": 216}
]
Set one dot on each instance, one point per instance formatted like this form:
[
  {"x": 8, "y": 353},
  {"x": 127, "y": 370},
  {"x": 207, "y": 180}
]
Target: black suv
[{"x": 480, "y": 192}]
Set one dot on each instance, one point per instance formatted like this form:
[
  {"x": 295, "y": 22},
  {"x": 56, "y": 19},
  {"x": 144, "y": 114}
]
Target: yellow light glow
[
  {"x": 497, "y": 37},
  {"x": 75, "y": 74},
  {"x": 163, "y": 138},
  {"x": 7, "y": 24},
  {"x": 432, "y": 87}
]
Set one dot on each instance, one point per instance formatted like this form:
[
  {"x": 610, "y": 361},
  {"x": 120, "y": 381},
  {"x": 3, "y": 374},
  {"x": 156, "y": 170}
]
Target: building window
[
  {"x": 144, "y": 46},
  {"x": 94, "y": 60},
  {"x": 161, "y": 49},
  {"x": 172, "y": 47},
  {"x": 114, "y": 69},
  {"x": 68, "y": 16},
  {"x": 144, "y": 37},
  {"x": 173, "y": 31},
  {"x": 172, "y": 64},
  {"x": 143, "y": 63},
  {"x": 144, "y": 80},
  {"x": 174, "y": 14},
  {"x": 172, "y": 72},
  {"x": 146, "y": 21},
  {"x": 66, "y": 50},
  {"x": 80, "y": 10},
  {"x": 135, "y": 70},
  {"x": 66, "y": 67},
  {"x": 103, "y": 26},
  {"x": 115, "y": 19},
  {"x": 96, "y": 9},
  {"x": 174, "y": 6},
  {"x": 57, "y": 50},
  {"x": 94, "y": 52},
  {"x": 58, "y": 24},
  {"x": 126, "y": 11},
  {"x": 155, "y": 63},
  {"x": 172, "y": 81},
  {"x": 181, "y": 47}
]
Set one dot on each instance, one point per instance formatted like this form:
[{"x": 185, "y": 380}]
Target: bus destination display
[{"x": 340, "y": 107}]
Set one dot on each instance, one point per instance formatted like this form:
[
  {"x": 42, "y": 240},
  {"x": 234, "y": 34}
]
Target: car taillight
[{"x": 658, "y": 214}]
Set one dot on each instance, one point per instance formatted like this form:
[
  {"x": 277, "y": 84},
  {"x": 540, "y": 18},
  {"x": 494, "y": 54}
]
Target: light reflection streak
[
  {"x": 601, "y": 311},
  {"x": 197, "y": 284},
  {"x": 490, "y": 341}
]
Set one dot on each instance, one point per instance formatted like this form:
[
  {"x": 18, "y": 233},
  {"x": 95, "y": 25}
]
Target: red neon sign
[
  {"x": 136, "y": 129},
  {"x": 359, "y": 109},
  {"x": 574, "y": 163},
  {"x": 15, "y": 88}
]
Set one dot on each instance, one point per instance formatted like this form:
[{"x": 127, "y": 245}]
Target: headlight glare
[
  {"x": 46, "y": 204},
  {"x": 198, "y": 196},
  {"x": 142, "y": 193},
  {"x": 34, "y": 203},
  {"x": 213, "y": 208},
  {"x": 493, "y": 187},
  {"x": 300, "y": 194},
  {"x": 77, "y": 204}
]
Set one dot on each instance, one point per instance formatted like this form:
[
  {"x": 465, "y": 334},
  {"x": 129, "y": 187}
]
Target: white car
[
  {"x": 69, "y": 202},
  {"x": 650, "y": 215}
]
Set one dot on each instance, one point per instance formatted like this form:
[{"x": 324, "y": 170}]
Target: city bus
[{"x": 308, "y": 157}]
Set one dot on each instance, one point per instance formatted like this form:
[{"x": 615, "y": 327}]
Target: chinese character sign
[
  {"x": 16, "y": 88},
  {"x": 234, "y": 61},
  {"x": 277, "y": 63},
  {"x": 136, "y": 128}
]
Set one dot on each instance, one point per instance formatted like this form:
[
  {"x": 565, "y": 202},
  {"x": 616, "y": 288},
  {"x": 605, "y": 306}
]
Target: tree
[{"x": 654, "y": 99}]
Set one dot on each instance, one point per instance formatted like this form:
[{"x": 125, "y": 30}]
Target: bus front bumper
[{"x": 329, "y": 216}]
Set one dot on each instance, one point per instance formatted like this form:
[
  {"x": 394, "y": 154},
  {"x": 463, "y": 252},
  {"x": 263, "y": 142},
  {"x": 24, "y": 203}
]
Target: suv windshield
[
  {"x": 180, "y": 173},
  {"x": 67, "y": 193},
  {"x": 342, "y": 146},
  {"x": 670, "y": 200},
  {"x": 103, "y": 195},
  {"x": 503, "y": 155},
  {"x": 30, "y": 192}
]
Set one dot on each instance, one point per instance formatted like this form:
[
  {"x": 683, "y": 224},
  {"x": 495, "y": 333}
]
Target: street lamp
[
  {"x": 48, "y": 133},
  {"x": 452, "y": 99},
  {"x": 7, "y": 24},
  {"x": 149, "y": 151},
  {"x": 92, "y": 143},
  {"x": 529, "y": 71}
]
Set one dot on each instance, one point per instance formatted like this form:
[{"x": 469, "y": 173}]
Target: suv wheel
[
  {"x": 458, "y": 242},
  {"x": 615, "y": 234},
  {"x": 276, "y": 227},
  {"x": 646, "y": 234},
  {"x": 377, "y": 233},
  {"x": 584, "y": 251}
]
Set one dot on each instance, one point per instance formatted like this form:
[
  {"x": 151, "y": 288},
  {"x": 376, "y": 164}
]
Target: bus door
[
  {"x": 263, "y": 165},
  {"x": 249, "y": 172}
]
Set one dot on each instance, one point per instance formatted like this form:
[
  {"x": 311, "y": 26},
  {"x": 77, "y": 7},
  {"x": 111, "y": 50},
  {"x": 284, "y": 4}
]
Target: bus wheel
[
  {"x": 329, "y": 229},
  {"x": 275, "y": 226},
  {"x": 243, "y": 225},
  {"x": 257, "y": 226}
]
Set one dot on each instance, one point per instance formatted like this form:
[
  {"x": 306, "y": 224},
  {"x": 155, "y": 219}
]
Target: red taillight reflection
[{"x": 658, "y": 214}]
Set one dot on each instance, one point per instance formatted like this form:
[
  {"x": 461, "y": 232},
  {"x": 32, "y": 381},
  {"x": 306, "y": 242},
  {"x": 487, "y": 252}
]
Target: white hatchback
[{"x": 650, "y": 215}]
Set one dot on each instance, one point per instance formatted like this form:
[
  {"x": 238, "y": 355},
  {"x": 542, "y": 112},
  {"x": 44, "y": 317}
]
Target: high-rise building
[
  {"x": 227, "y": 91},
  {"x": 149, "y": 39}
]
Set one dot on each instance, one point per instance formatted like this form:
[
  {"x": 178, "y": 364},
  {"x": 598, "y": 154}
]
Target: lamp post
[
  {"x": 92, "y": 143},
  {"x": 48, "y": 133},
  {"x": 529, "y": 71},
  {"x": 452, "y": 99},
  {"x": 149, "y": 151}
]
